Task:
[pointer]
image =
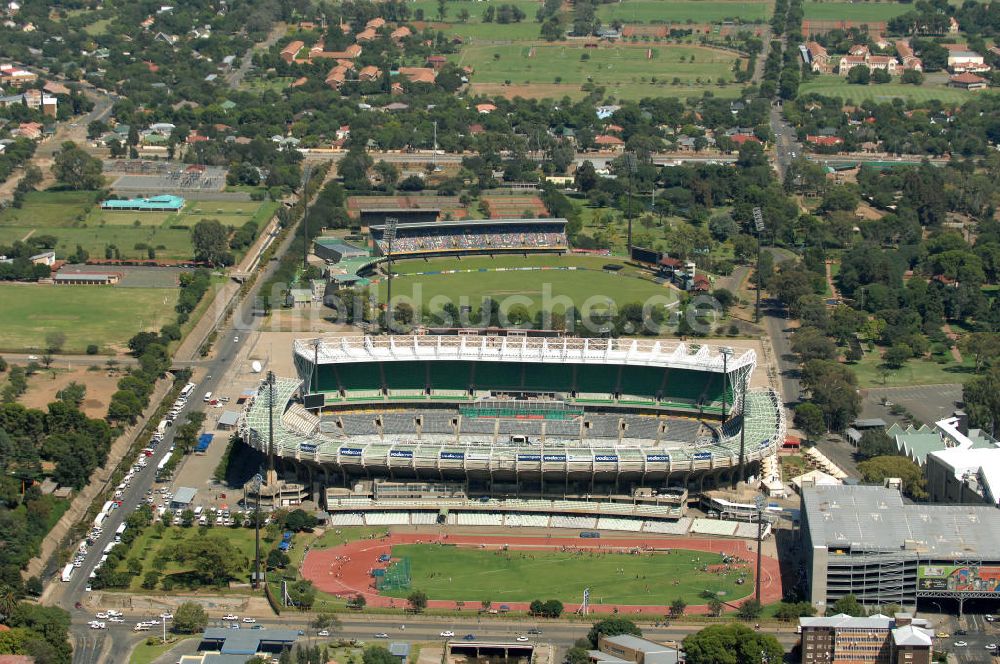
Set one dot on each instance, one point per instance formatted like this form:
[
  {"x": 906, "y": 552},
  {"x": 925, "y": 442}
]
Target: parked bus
[
  {"x": 67, "y": 573},
  {"x": 188, "y": 389}
]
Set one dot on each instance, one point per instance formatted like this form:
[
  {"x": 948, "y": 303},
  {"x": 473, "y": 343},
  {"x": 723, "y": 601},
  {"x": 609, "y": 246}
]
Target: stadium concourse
[{"x": 346, "y": 571}]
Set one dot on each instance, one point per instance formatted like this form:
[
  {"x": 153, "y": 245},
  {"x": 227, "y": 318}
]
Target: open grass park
[
  {"x": 75, "y": 218},
  {"x": 581, "y": 280},
  {"x": 470, "y": 574},
  {"x": 625, "y": 70},
  {"x": 854, "y": 11},
  {"x": 680, "y": 12},
  {"x": 935, "y": 87},
  {"x": 102, "y": 315}
]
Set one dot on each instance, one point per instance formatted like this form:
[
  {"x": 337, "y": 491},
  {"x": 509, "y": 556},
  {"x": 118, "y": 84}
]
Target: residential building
[
  {"x": 818, "y": 58},
  {"x": 824, "y": 141},
  {"x": 877, "y": 639},
  {"x": 31, "y": 130},
  {"x": 11, "y": 75},
  {"x": 873, "y": 62},
  {"x": 369, "y": 73},
  {"x": 368, "y": 34},
  {"x": 608, "y": 142},
  {"x": 961, "y": 59},
  {"x": 419, "y": 74},
  {"x": 291, "y": 50},
  {"x": 907, "y": 57},
  {"x": 400, "y": 33}
]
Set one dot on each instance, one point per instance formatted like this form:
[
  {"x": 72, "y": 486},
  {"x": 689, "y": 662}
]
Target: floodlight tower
[
  {"x": 758, "y": 222},
  {"x": 258, "y": 482},
  {"x": 306, "y": 176},
  {"x": 760, "y": 503},
  {"x": 389, "y": 235},
  {"x": 631, "y": 167}
]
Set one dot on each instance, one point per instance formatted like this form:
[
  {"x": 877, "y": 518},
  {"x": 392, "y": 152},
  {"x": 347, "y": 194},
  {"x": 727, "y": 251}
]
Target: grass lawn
[
  {"x": 101, "y": 315},
  {"x": 468, "y": 574},
  {"x": 915, "y": 372},
  {"x": 74, "y": 219},
  {"x": 586, "y": 288},
  {"x": 625, "y": 70},
  {"x": 834, "y": 86},
  {"x": 45, "y": 209},
  {"x": 98, "y": 27},
  {"x": 854, "y": 11},
  {"x": 145, "y": 653},
  {"x": 475, "y": 9},
  {"x": 679, "y": 11}
]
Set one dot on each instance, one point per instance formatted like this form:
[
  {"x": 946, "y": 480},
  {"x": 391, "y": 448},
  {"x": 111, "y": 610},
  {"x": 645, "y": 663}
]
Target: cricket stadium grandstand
[
  {"x": 477, "y": 236},
  {"x": 530, "y": 426}
]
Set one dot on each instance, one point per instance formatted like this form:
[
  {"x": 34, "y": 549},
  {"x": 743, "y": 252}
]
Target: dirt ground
[{"x": 42, "y": 387}]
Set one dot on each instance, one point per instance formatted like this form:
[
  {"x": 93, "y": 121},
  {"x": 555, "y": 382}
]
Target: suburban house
[
  {"x": 906, "y": 56},
  {"x": 819, "y": 59},
  {"x": 609, "y": 142},
  {"x": 419, "y": 74},
  {"x": 289, "y": 52},
  {"x": 11, "y": 75}
]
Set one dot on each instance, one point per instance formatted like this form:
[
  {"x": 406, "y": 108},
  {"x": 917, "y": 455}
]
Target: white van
[
  {"x": 208, "y": 397},
  {"x": 198, "y": 510}
]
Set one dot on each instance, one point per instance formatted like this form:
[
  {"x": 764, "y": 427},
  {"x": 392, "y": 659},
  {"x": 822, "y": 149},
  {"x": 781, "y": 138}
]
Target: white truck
[{"x": 67, "y": 573}]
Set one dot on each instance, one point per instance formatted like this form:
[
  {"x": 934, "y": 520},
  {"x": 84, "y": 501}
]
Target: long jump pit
[{"x": 639, "y": 575}]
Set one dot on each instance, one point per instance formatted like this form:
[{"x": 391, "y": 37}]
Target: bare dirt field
[{"x": 42, "y": 387}]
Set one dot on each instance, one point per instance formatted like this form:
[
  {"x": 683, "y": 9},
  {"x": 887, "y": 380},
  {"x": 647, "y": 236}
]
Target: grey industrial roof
[
  {"x": 399, "y": 649},
  {"x": 229, "y": 418},
  {"x": 636, "y": 643},
  {"x": 247, "y": 641},
  {"x": 875, "y": 519},
  {"x": 83, "y": 276},
  {"x": 184, "y": 495},
  {"x": 911, "y": 636},
  {"x": 876, "y": 621},
  {"x": 869, "y": 423},
  {"x": 605, "y": 658}
]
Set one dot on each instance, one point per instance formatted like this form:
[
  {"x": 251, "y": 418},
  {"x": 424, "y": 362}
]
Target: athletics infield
[{"x": 346, "y": 570}]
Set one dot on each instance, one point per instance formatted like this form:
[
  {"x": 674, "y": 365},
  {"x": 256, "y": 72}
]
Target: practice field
[
  {"x": 74, "y": 218},
  {"x": 587, "y": 286},
  {"x": 854, "y": 11},
  {"x": 460, "y": 573},
  {"x": 674, "y": 11},
  {"x": 101, "y": 315},
  {"x": 626, "y": 70}
]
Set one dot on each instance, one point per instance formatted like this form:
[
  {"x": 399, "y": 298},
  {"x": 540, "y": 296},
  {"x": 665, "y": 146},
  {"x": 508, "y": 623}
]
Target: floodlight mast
[
  {"x": 758, "y": 222},
  {"x": 389, "y": 235}
]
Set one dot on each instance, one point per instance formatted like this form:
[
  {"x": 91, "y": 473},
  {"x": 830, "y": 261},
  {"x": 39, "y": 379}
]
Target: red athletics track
[{"x": 345, "y": 570}]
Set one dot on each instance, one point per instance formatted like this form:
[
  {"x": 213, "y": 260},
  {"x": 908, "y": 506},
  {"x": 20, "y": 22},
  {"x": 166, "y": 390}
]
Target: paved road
[
  {"x": 786, "y": 145},
  {"x": 236, "y": 76}
]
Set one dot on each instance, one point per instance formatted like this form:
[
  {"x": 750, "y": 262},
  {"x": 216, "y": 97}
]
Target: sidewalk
[{"x": 98, "y": 482}]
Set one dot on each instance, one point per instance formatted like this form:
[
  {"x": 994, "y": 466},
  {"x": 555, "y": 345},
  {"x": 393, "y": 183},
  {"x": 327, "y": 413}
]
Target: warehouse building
[{"x": 866, "y": 541}]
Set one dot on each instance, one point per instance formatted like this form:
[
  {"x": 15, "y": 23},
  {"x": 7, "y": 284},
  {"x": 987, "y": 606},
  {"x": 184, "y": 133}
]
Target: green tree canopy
[
  {"x": 77, "y": 170},
  {"x": 190, "y": 617},
  {"x": 612, "y": 627},
  {"x": 211, "y": 242},
  {"x": 732, "y": 644}
]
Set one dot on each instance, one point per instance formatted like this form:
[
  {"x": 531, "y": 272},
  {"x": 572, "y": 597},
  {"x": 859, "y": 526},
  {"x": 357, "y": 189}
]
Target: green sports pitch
[
  {"x": 647, "y": 579},
  {"x": 528, "y": 281}
]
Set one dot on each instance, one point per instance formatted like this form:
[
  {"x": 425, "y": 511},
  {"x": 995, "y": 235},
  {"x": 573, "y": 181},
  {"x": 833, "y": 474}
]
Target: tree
[
  {"x": 811, "y": 344},
  {"x": 876, "y": 469},
  {"x": 378, "y": 655},
  {"x": 211, "y": 242},
  {"x": 715, "y": 606},
  {"x": 612, "y": 627},
  {"x": 302, "y": 594},
  {"x": 677, "y": 608},
  {"x": 54, "y": 341},
  {"x": 77, "y": 170},
  {"x": 326, "y": 621},
  {"x": 731, "y": 644},
  {"x": 417, "y": 600},
  {"x": 897, "y": 356},
  {"x": 982, "y": 400},
  {"x": 189, "y": 618},
  {"x": 277, "y": 559},
  {"x": 357, "y": 602},
  {"x": 809, "y": 418},
  {"x": 876, "y": 442},
  {"x": 442, "y": 9},
  {"x": 850, "y": 605},
  {"x": 859, "y": 75},
  {"x": 789, "y": 611},
  {"x": 750, "y": 609},
  {"x": 552, "y": 608},
  {"x": 912, "y": 76}
]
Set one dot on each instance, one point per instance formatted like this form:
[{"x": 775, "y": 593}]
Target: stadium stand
[
  {"x": 423, "y": 518},
  {"x": 387, "y": 518},
  {"x": 442, "y": 238},
  {"x": 715, "y": 527},
  {"x": 563, "y": 521},
  {"x": 347, "y": 519},
  {"x": 614, "y": 523},
  {"x": 521, "y": 520},
  {"x": 679, "y": 527}
]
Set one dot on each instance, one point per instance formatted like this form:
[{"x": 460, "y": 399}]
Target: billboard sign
[
  {"x": 554, "y": 457},
  {"x": 529, "y": 457},
  {"x": 606, "y": 458},
  {"x": 702, "y": 455},
  {"x": 658, "y": 457},
  {"x": 401, "y": 454},
  {"x": 959, "y": 578},
  {"x": 453, "y": 455},
  {"x": 350, "y": 451}
]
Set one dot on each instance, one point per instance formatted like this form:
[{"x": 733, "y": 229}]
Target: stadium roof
[
  {"x": 558, "y": 350},
  {"x": 472, "y": 222},
  {"x": 875, "y": 519}
]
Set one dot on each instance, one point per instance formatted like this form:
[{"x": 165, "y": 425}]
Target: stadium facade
[
  {"x": 472, "y": 236},
  {"x": 866, "y": 541},
  {"x": 516, "y": 415}
]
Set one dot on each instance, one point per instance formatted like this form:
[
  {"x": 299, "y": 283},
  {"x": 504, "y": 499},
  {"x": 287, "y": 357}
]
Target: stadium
[
  {"x": 466, "y": 421},
  {"x": 484, "y": 236}
]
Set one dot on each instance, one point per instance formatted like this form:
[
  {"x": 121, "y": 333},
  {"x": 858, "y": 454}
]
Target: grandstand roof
[
  {"x": 474, "y": 222},
  {"x": 875, "y": 518},
  {"x": 636, "y": 352}
]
